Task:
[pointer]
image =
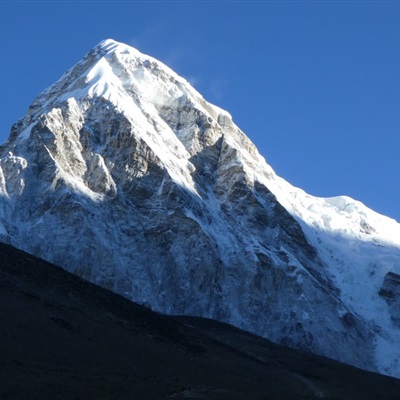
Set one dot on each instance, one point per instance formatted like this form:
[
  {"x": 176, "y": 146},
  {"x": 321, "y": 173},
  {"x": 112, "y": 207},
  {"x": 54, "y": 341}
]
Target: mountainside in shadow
[
  {"x": 64, "y": 338},
  {"x": 123, "y": 174}
]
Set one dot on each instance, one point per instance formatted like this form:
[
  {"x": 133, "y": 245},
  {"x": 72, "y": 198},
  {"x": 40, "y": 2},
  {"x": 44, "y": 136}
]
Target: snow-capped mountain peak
[{"x": 123, "y": 172}]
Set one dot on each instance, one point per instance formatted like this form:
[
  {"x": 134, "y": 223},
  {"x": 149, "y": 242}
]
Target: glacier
[{"x": 122, "y": 173}]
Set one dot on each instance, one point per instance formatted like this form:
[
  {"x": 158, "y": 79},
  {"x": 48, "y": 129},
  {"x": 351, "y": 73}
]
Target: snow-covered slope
[{"x": 124, "y": 173}]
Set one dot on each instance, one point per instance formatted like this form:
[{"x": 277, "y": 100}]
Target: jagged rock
[
  {"x": 122, "y": 173},
  {"x": 390, "y": 291}
]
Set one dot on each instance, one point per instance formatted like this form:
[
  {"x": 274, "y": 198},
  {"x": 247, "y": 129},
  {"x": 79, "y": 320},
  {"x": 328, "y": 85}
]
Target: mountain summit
[{"x": 123, "y": 174}]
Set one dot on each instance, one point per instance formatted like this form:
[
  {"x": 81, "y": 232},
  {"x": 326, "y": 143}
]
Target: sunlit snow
[{"x": 357, "y": 245}]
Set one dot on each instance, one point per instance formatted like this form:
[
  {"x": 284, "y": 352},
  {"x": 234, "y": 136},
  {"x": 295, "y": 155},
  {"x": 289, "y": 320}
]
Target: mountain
[
  {"x": 123, "y": 174},
  {"x": 65, "y": 338}
]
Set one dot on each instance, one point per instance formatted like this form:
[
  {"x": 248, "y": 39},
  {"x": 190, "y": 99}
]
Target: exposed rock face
[
  {"x": 390, "y": 291},
  {"x": 123, "y": 173}
]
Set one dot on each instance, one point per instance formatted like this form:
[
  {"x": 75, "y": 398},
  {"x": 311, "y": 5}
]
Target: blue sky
[{"x": 314, "y": 84}]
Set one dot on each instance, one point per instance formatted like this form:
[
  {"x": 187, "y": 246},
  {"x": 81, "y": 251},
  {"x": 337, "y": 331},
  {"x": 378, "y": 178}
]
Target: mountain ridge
[
  {"x": 64, "y": 338},
  {"x": 155, "y": 194}
]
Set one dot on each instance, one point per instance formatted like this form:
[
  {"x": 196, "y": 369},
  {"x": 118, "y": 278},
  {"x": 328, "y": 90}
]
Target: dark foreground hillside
[{"x": 64, "y": 338}]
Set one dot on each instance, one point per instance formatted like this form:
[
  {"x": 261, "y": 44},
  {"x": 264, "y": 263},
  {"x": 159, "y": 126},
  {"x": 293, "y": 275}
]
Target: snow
[
  {"x": 360, "y": 246},
  {"x": 73, "y": 182},
  {"x": 26, "y": 132},
  {"x": 387, "y": 354},
  {"x": 355, "y": 241},
  {"x": 357, "y": 246}
]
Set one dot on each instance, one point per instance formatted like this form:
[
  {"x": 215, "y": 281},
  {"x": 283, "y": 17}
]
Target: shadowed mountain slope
[
  {"x": 123, "y": 174},
  {"x": 64, "y": 338}
]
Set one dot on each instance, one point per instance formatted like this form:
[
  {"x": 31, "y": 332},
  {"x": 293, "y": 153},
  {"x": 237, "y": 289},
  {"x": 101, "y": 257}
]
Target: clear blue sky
[{"x": 315, "y": 84}]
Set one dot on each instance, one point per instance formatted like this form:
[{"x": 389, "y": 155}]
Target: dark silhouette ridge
[{"x": 64, "y": 338}]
